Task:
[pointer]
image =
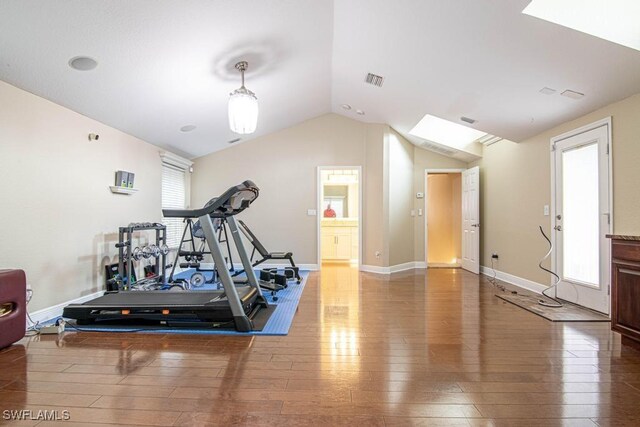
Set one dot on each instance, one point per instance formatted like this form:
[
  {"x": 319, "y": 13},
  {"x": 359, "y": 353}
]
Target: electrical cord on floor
[
  {"x": 33, "y": 329},
  {"x": 555, "y": 302},
  {"x": 493, "y": 280}
]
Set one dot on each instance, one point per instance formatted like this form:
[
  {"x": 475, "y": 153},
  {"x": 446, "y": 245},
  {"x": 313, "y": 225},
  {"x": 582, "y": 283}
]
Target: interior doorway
[
  {"x": 339, "y": 214},
  {"x": 581, "y": 215},
  {"x": 443, "y": 202}
]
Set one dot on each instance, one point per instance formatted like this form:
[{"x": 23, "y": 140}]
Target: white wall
[{"x": 59, "y": 221}]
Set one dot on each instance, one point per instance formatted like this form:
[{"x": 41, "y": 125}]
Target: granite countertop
[{"x": 622, "y": 237}]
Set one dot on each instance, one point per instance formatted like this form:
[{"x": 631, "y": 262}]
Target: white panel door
[
  {"x": 471, "y": 220},
  {"x": 583, "y": 218}
]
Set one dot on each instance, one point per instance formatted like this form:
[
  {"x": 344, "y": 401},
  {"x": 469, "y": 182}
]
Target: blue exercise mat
[{"x": 278, "y": 324}]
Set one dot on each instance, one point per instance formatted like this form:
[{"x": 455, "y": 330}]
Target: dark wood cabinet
[{"x": 625, "y": 288}]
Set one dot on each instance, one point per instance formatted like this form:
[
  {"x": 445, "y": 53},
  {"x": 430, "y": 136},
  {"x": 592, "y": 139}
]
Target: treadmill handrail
[{"x": 214, "y": 208}]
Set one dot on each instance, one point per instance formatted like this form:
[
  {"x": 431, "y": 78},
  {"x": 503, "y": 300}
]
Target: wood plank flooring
[{"x": 431, "y": 348}]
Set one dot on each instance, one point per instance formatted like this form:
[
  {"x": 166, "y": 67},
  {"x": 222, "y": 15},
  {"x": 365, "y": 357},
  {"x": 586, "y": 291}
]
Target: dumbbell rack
[{"x": 125, "y": 235}]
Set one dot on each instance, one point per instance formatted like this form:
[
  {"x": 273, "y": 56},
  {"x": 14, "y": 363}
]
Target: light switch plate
[
  {"x": 546, "y": 210},
  {"x": 311, "y": 212}
]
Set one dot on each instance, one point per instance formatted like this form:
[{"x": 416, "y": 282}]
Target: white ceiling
[{"x": 169, "y": 63}]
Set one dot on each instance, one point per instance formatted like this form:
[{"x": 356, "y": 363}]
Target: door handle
[
  {"x": 475, "y": 225},
  {"x": 558, "y": 228}
]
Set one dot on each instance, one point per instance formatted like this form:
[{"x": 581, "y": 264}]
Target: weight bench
[{"x": 264, "y": 253}]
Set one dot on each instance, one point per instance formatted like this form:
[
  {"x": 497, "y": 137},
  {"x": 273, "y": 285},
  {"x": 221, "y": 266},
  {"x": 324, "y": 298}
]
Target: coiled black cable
[{"x": 556, "y": 303}]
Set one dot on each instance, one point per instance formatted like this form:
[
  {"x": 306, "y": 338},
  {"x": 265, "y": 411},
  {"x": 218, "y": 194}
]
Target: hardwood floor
[{"x": 422, "y": 348}]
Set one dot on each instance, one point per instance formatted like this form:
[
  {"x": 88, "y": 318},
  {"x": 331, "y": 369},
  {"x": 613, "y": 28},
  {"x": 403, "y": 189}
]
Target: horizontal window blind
[{"x": 173, "y": 197}]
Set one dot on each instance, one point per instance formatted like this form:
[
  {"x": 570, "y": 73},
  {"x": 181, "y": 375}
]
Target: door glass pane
[{"x": 581, "y": 216}]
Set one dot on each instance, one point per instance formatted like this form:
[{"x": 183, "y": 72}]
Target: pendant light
[{"x": 243, "y": 106}]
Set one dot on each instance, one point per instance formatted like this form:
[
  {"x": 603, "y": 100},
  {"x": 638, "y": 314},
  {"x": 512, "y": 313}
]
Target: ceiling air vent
[
  {"x": 438, "y": 148},
  {"x": 468, "y": 120},
  {"x": 233, "y": 141},
  {"x": 488, "y": 140},
  {"x": 374, "y": 79}
]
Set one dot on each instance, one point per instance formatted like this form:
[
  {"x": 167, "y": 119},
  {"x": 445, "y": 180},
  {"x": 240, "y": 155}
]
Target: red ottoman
[{"x": 13, "y": 306}]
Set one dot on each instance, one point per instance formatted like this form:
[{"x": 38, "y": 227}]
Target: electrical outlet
[
  {"x": 378, "y": 254},
  {"x": 494, "y": 255}
]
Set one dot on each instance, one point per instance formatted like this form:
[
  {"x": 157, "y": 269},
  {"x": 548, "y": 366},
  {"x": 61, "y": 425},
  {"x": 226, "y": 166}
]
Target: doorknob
[{"x": 558, "y": 228}]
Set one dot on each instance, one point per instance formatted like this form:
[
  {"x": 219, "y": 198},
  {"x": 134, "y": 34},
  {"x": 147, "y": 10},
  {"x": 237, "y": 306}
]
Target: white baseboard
[
  {"x": 393, "y": 268},
  {"x": 55, "y": 311},
  {"x": 514, "y": 280}
]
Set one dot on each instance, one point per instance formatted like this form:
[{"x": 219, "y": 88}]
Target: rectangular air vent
[
  {"x": 438, "y": 148},
  {"x": 374, "y": 79},
  {"x": 468, "y": 120},
  {"x": 233, "y": 141},
  {"x": 488, "y": 139}
]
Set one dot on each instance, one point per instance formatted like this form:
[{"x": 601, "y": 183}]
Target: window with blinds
[{"x": 173, "y": 197}]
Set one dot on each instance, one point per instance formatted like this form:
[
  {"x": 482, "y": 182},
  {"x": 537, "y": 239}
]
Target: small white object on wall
[
  {"x": 311, "y": 212},
  {"x": 419, "y": 195}
]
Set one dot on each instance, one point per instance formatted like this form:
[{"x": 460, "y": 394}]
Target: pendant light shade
[{"x": 243, "y": 107}]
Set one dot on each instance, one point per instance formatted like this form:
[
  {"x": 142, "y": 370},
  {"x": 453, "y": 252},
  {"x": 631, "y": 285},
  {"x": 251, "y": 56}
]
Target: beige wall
[
  {"x": 376, "y": 188},
  {"x": 401, "y": 233},
  {"x": 284, "y": 166},
  {"x": 423, "y": 160},
  {"x": 444, "y": 213},
  {"x": 59, "y": 219},
  {"x": 515, "y": 185}
]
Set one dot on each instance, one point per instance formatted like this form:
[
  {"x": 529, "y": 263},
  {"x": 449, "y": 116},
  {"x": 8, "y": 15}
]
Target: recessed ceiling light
[
  {"x": 547, "y": 91},
  {"x": 83, "y": 63},
  {"x": 345, "y": 107},
  {"x": 360, "y": 112},
  {"x": 187, "y": 128},
  {"x": 444, "y": 132},
  {"x": 615, "y": 21},
  {"x": 572, "y": 94}
]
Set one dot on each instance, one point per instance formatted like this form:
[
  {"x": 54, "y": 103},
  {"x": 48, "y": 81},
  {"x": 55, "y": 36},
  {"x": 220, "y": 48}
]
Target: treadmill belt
[{"x": 163, "y": 298}]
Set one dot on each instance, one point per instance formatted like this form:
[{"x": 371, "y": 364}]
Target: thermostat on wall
[{"x": 419, "y": 195}]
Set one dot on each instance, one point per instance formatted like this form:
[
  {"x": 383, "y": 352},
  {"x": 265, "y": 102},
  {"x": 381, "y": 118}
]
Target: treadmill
[{"x": 232, "y": 304}]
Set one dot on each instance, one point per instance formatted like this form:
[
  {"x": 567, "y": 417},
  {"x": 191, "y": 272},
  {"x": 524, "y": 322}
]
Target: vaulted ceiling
[{"x": 169, "y": 63}]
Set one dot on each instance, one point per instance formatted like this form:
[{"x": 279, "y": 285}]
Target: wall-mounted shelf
[{"x": 122, "y": 190}]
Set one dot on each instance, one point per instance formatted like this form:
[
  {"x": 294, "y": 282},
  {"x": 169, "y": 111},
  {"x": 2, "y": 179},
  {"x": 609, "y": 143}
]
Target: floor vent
[{"x": 374, "y": 79}]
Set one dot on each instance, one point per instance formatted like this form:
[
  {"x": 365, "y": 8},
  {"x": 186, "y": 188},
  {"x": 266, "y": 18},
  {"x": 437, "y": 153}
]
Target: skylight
[
  {"x": 444, "y": 132},
  {"x": 612, "y": 20}
]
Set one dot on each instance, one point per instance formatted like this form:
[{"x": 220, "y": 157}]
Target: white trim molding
[
  {"x": 55, "y": 311},
  {"x": 413, "y": 265},
  {"x": 514, "y": 280}
]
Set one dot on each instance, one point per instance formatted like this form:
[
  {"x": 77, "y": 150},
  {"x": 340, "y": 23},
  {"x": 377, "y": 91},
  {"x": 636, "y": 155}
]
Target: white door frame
[
  {"x": 603, "y": 122},
  {"x": 319, "y": 209},
  {"x": 424, "y": 211}
]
